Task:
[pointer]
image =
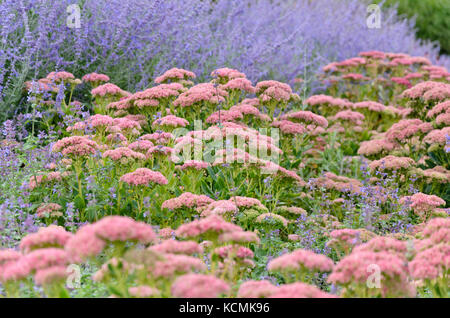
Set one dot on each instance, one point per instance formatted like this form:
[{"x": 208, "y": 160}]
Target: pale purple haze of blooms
[{"x": 134, "y": 41}]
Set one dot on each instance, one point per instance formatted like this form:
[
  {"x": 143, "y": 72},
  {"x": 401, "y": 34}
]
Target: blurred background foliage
[{"x": 432, "y": 19}]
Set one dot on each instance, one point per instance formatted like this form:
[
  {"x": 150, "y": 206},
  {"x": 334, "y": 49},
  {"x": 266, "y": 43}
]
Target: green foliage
[{"x": 432, "y": 18}]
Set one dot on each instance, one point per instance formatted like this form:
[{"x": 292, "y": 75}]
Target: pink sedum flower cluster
[
  {"x": 75, "y": 146},
  {"x": 199, "y": 286},
  {"x": 299, "y": 260},
  {"x": 143, "y": 177}
]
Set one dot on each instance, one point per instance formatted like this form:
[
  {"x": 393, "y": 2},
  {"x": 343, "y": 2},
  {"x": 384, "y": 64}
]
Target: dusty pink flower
[
  {"x": 355, "y": 269},
  {"x": 438, "y": 93},
  {"x": 401, "y": 61},
  {"x": 176, "y": 264},
  {"x": 141, "y": 145},
  {"x": 431, "y": 263},
  {"x": 8, "y": 255},
  {"x": 441, "y": 236},
  {"x": 246, "y": 109},
  {"x": 174, "y": 74},
  {"x": 154, "y": 96},
  {"x": 227, "y": 73},
  {"x": 49, "y": 210},
  {"x": 352, "y": 62},
  {"x": 43, "y": 179},
  {"x": 170, "y": 121},
  {"x": 375, "y": 146},
  {"x": 222, "y": 207},
  {"x": 187, "y": 200},
  {"x": 182, "y": 142},
  {"x": 290, "y": 128},
  {"x": 45, "y": 258},
  {"x": 117, "y": 138},
  {"x": 126, "y": 124},
  {"x": 420, "y": 60},
  {"x": 246, "y": 202},
  {"x": 60, "y": 76},
  {"x": 224, "y": 115},
  {"x": 437, "y": 136},
  {"x": 95, "y": 78},
  {"x": 401, "y": 81},
  {"x": 193, "y": 164},
  {"x": 241, "y": 84},
  {"x": 84, "y": 244},
  {"x": 319, "y": 100},
  {"x": 166, "y": 233},
  {"x": 159, "y": 150},
  {"x": 124, "y": 155},
  {"x": 331, "y": 67},
  {"x": 235, "y": 155},
  {"x": 143, "y": 176},
  {"x": 199, "y": 286},
  {"x": 122, "y": 104},
  {"x": 205, "y": 92},
  {"x": 436, "y": 224},
  {"x": 443, "y": 119},
  {"x": 398, "y": 111},
  {"x": 348, "y": 115},
  {"x": 45, "y": 237},
  {"x": 51, "y": 275},
  {"x": 421, "y": 202},
  {"x": 373, "y": 54},
  {"x": 443, "y": 107},
  {"x": 256, "y": 289},
  {"x": 139, "y": 118},
  {"x": 299, "y": 260},
  {"x": 144, "y": 291},
  {"x": 355, "y": 77},
  {"x": 178, "y": 247},
  {"x": 14, "y": 271},
  {"x": 233, "y": 251},
  {"x": 420, "y": 89},
  {"x": 283, "y": 173},
  {"x": 251, "y": 101},
  {"x": 239, "y": 237},
  {"x": 41, "y": 85},
  {"x": 79, "y": 126},
  {"x": 370, "y": 105},
  {"x": 307, "y": 117},
  {"x": 75, "y": 146},
  {"x": 213, "y": 224},
  {"x": 299, "y": 290},
  {"x": 275, "y": 93},
  {"x": 344, "y": 239},
  {"x": 413, "y": 76},
  {"x": 108, "y": 89},
  {"x": 391, "y": 163},
  {"x": 406, "y": 128},
  {"x": 159, "y": 137},
  {"x": 264, "y": 85},
  {"x": 121, "y": 228},
  {"x": 100, "y": 121},
  {"x": 383, "y": 244}
]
